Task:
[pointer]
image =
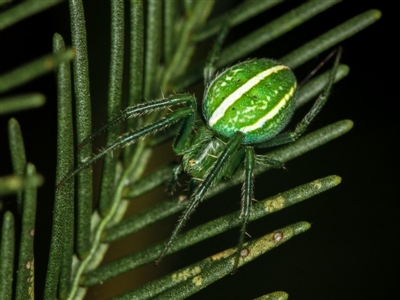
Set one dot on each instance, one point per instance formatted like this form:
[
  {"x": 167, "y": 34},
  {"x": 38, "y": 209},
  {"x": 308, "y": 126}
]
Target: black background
[{"x": 350, "y": 251}]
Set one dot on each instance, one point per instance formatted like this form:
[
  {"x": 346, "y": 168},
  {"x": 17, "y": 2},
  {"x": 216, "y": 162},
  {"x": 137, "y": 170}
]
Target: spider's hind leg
[
  {"x": 210, "y": 68},
  {"x": 267, "y": 160},
  {"x": 247, "y": 197},
  {"x": 291, "y": 136}
]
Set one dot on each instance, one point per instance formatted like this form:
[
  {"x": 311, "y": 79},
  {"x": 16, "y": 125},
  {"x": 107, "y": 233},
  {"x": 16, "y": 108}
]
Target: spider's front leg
[
  {"x": 198, "y": 194},
  {"x": 185, "y": 114},
  {"x": 142, "y": 109}
]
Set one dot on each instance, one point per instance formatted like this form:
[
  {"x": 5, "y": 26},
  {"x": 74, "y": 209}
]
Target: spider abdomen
[{"x": 255, "y": 97}]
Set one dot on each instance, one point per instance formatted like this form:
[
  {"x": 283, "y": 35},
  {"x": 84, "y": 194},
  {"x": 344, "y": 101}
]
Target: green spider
[{"x": 245, "y": 106}]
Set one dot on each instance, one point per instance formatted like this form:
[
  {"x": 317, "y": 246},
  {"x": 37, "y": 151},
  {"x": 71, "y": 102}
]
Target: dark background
[{"x": 350, "y": 251}]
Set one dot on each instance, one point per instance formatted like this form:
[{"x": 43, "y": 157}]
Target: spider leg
[
  {"x": 291, "y": 136},
  {"x": 141, "y": 109},
  {"x": 130, "y": 137},
  {"x": 178, "y": 169},
  {"x": 209, "y": 68},
  {"x": 185, "y": 130},
  {"x": 200, "y": 191},
  {"x": 266, "y": 160},
  {"x": 234, "y": 162},
  {"x": 192, "y": 185},
  {"x": 247, "y": 196}
]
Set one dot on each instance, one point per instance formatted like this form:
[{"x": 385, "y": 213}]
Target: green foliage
[{"x": 164, "y": 40}]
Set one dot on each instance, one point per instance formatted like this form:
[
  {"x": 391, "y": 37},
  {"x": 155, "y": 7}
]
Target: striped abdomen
[{"x": 255, "y": 97}]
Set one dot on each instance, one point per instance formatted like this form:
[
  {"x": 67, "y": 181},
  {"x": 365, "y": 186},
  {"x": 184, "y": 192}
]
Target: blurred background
[{"x": 351, "y": 250}]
